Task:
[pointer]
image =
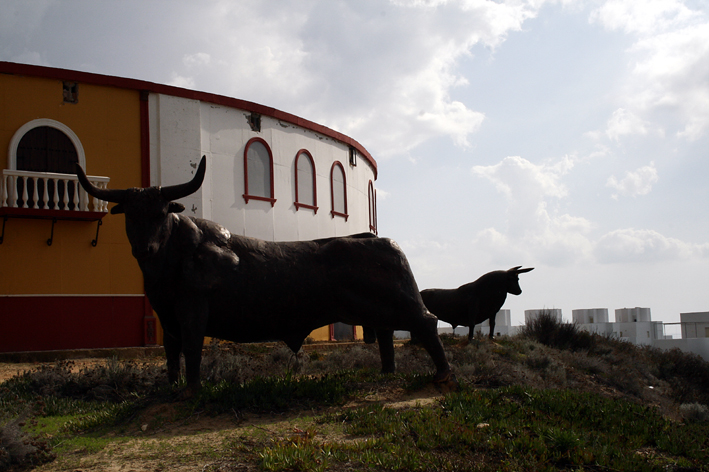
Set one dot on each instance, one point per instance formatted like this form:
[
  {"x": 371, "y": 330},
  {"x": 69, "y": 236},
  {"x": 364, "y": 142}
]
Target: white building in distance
[{"x": 633, "y": 325}]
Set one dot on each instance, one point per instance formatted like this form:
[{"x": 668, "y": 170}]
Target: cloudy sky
[{"x": 571, "y": 136}]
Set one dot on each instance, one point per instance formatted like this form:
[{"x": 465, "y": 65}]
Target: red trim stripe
[{"x": 140, "y": 85}]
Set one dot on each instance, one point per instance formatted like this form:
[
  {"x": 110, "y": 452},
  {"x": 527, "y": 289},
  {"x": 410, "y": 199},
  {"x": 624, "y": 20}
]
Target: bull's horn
[
  {"x": 522, "y": 271},
  {"x": 175, "y": 192},
  {"x": 109, "y": 195}
]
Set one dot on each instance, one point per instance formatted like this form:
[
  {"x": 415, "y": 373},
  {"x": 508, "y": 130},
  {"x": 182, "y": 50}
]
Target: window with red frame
[
  {"x": 258, "y": 171},
  {"x": 338, "y": 191},
  {"x": 305, "y": 189},
  {"x": 372, "y": 208}
]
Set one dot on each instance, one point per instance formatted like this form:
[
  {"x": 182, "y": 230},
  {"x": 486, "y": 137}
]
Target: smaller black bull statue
[
  {"x": 204, "y": 281},
  {"x": 475, "y": 302}
]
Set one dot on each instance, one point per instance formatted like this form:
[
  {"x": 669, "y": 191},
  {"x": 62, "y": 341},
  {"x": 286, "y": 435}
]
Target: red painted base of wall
[{"x": 52, "y": 323}]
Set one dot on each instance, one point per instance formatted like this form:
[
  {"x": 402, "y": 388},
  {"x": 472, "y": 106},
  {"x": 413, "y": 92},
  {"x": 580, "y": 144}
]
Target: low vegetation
[{"x": 551, "y": 398}]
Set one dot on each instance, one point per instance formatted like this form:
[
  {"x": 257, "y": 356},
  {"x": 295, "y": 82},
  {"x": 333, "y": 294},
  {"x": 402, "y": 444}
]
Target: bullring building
[{"x": 67, "y": 276}]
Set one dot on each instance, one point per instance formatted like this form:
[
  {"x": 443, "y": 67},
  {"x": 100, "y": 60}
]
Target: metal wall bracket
[
  {"x": 98, "y": 226},
  {"x": 2, "y": 236},
  {"x": 54, "y": 215},
  {"x": 51, "y": 236}
]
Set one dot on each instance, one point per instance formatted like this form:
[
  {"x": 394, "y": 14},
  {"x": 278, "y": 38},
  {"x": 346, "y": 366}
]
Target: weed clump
[
  {"x": 551, "y": 332},
  {"x": 18, "y": 449},
  {"x": 688, "y": 374},
  {"x": 694, "y": 412}
]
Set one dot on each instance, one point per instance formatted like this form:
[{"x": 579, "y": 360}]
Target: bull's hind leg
[
  {"x": 426, "y": 330},
  {"x": 385, "y": 337}
]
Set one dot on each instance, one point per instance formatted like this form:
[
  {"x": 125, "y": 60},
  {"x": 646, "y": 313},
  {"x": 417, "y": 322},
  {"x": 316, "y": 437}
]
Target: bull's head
[
  {"x": 146, "y": 209},
  {"x": 513, "y": 279}
]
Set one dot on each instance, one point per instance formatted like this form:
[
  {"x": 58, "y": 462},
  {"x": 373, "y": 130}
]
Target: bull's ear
[
  {"x": 118, "y": 209},
  {"x": 176, "y": 207}
]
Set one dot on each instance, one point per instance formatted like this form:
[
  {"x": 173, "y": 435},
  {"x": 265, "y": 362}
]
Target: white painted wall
[
  {"x": 695, "y": 325},
  {"x": 699, "y": 346},
  {"x": 531, "y": 315},
  {"x": 182, "y": 130},
  {"x": 590, "y": 315},
  {"x": 630, "y": 315}
]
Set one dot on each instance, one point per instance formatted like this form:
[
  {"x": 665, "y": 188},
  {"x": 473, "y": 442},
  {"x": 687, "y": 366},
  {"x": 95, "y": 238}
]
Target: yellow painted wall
[
  {"x": 107, "y": 122},
  {"x": 323, "y": 333}
]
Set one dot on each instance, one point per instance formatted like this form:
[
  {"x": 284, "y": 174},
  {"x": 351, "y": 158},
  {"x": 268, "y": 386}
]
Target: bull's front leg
[
  {"x": 492, "y": 326},
  {"x": 193, "y": 324},
  {"x": 173, "y": 348}
]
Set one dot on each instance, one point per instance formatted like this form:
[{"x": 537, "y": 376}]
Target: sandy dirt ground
[
  {"x": 157, "y": 441},
  {"x": 10, "y": 369}
]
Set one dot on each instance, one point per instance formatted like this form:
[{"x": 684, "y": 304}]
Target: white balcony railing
[{"x": 49, "y": 191}]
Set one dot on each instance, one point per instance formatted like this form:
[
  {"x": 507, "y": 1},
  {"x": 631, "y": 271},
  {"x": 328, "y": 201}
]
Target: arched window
[
  {"x": 372, "y": 208},
  {"x": 305, "y": 190},
  {"x": 48, "y": 141},
  {"x": 41, "y": 172},
  {"x": 258, "y": 171},
  {"x": 46, "y": 149},
  {"x": 338, "y": 191}
]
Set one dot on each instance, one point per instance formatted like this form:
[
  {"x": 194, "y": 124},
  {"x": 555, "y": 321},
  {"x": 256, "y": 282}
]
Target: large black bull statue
[{"x": 204, "y": 281}]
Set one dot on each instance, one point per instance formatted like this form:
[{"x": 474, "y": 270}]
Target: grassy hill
[{"x": 551, "y": 398}]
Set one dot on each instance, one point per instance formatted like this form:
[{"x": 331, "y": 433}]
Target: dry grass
[{"x": 548, "y": 356}]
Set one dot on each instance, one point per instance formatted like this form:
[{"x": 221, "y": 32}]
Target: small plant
[
  {"x": 551, "y": 332},
  {"x": 694, "y": 412},
  {"x": 18, "y": 449}
]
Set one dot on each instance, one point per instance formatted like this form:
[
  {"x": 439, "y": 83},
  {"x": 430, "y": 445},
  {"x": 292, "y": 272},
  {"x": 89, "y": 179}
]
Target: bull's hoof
[
  {"x": 446, "y": 383},
  {"x": 189, "y": 392}
]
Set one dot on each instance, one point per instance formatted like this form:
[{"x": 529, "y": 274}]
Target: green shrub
[
  {"x": 694, "y": 412},
  {"x": 551, "y": 332}
]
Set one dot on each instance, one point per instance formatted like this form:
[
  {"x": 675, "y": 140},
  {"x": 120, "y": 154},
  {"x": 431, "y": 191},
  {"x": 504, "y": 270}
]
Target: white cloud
[
  {"x": 535, "y": 225},
  {"x": 644, "y": 17},
  {"x": 631, "y": 245},
  {"x": 674, "y": 76},
  {"x": 198, "y": 59},
  {"x": 624, "y": 122},
  {"x": 635, "y": 183},
  {"x": 520, "y": 179},
  {"x": 670, "y": 62},
  {"x": 180, "y": 81},
  {"x": 380, "y": 72},
  {"x": 382, "y": 194}
]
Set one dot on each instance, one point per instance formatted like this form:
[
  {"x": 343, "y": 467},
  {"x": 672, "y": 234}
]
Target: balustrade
[{"x": 49, "y": 191}]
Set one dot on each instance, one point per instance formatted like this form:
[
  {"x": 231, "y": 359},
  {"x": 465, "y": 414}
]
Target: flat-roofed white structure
[
  {"x": 590, "y": 316},
  {"x": 636, "y": 326},
  {"x": 695, "y": 324},
  {"x": 594, "y": 320},
  {"x": 632, "y": 315},
  {"x": 531, "y": 315}
]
